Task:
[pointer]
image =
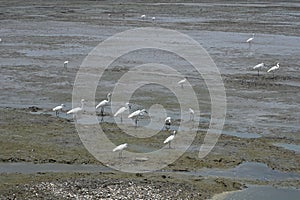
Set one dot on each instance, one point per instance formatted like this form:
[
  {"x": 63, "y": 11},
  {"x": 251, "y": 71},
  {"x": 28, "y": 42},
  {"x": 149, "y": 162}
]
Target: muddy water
[
  {"x": 260, "y": 192},
  {"x": 250, "y": 170},
  {"x": 32, "y": 71},
  {"x": 291, "y": 147},
  {"x": 38, "y": 37},
  {"x": 246, "y": 170}
]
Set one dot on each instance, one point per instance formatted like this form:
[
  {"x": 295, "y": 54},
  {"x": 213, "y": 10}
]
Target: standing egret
[
  {"x": 77, "y": 110},
  {"x": 143, "y": 17},
  {"x": 192, "y": 114},
  {"x": 258, "y": 66},
  {"x": 66, "y": 64},
  {"x": 104, "y": 103},
  {"x": 58, "y": 108},
  {"x": 122, "y": 110},
  {"x": 153, "y": 18},
  {"x": 182, "y": 82},
  {"x": 272, "y": 69},
  {"x": 170, "y": 138},
  {"x": 136, "y": 114},
  {"x": 120, "y": 148},
  {"x": 168, "y": 121},
  {"x": 249, "y": 41}
]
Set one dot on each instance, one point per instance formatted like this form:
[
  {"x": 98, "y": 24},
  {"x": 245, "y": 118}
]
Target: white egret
[
  {"x": 122, "y": 110},
  {"x": 136, "y": 114},
  {"x": 192, "y": 114},
  {"x": 250, "y": 40},
  {"x": 153, "y": 18},
  {"x": 143, "y": 17},
  {"x": 66, "y": 64},
  {"x": 182, "y": 82},
  {"x": 120, "y": 148},
  {"x": 0, "y": 40},
  {"x": 109, "y": 15},
  {"x": 258, "y": 66},
  {"x": 104, "y": 103},
  {"x": 168, "y": 122},
  {"x": 272, "y": 69},
  {"x": 58, "y": 108},
  {"x": 77, "y": 110},
  {"x": 170, "y": 138}
]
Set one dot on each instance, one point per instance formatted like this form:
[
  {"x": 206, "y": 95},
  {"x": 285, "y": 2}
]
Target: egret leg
[
  {"x": 192, "y": 117},
  {"x": 169, "y": 145},
  {"x": 75, "y": 118},
  {"x": 56, "y": 113},
  {"x": 167, "y": 127},
  {"x": 121, "y": 119},
  {"x": 102, "y": 111},
  {"x": 136, "y": 121}
]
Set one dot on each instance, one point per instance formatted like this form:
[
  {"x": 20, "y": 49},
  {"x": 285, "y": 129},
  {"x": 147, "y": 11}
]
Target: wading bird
[
  {"x": 168, "y": 122},
  {"x": 182, "y": 82},
  {"x": 104, "y": 103},
  {"x": 58, "y": 108},
  {"x": 249, "y": 41},
  {"x": 170, "y": 138},
  {"x": 143, "y": 17},
  {"x": 192, "y": 114},
  {"x": 122, "y": 110},
  {"x": 66, "y": 64},
  {"x": 77, "y": 110},
  {"x": 136, "y": 114},
  {"x": 258, "y": 66},
  {"x": 120, "y": 148},
  {"x": 153, "y": 18},
  {"x": 272, "y": 69}
]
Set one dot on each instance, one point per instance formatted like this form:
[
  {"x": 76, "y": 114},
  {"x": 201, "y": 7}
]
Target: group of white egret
[
  {"x": 143, "y": 17},
  {"x": 121, "y": 147},
  {"x": 261, "y": 65},
  {"x": 135, "y": 115}
]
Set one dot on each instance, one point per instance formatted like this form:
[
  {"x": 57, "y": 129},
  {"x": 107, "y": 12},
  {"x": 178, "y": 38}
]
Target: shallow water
[
  {"x": 291, "y": 147},
  {"x": 226, "y": 48},
  {"x": 31, "y": 168},
  {"x": 35, "y": 44},
  {"x": 246, "y": 170},
  {"x": 254, "y": 192}
]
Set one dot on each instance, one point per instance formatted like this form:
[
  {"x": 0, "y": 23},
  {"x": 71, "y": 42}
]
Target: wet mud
[{"x": 262, "y": 111}]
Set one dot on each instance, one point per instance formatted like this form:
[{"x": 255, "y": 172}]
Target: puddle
[
  {"x": 291, "y": 147},
  {"x": 248, "y": 170},
  {"x": 31, "y": 168},
  {"x": 242, "y": 134},
  {"x": 254, "y": 192}
]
